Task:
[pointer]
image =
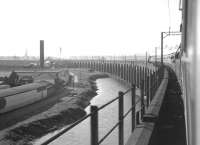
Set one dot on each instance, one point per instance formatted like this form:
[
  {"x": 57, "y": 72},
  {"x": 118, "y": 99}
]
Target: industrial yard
[{"x": 23, "y": 125}]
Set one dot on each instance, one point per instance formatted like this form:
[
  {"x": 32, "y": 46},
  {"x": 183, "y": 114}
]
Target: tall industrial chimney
[{"x": 41, "y": 53}]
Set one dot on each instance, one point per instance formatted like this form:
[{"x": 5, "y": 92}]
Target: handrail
[
  {"x": 127, "y": 91},
  {"x": 109, "y": 132},
  {"x": 112, "y": 129},
  {"x": 148, "y": 88},
  {"x": 79, "y": 121},
  {"x": 89, "y": 115},
  {"x": 65, "y": 130},
  {"x": 131, "y": 108},
  {"x": 111, "y": 101}
]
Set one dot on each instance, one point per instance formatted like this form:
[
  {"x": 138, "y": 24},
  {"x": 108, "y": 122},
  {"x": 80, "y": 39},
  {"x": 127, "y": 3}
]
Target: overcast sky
[{"x": 85, "y": 27}]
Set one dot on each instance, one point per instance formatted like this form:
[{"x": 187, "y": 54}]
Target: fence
[{"x": 147, "y": 85}]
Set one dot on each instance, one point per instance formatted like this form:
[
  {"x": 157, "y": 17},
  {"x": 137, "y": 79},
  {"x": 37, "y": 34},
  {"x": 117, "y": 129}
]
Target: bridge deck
[{"x": 169, "y": 128}]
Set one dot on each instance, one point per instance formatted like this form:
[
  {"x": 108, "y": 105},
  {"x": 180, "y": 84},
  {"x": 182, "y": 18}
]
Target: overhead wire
[{"x": 169, "y": 15}]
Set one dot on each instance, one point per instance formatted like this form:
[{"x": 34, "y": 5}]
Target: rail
[
  {"x": 94, "y": 119},
  {"x": 147, "y": 82},
  {"x": 120, "y": 124}
]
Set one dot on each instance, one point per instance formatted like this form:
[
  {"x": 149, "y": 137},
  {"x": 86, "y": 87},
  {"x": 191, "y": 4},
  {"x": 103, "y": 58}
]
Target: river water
[{"x": 80, "y": 135}]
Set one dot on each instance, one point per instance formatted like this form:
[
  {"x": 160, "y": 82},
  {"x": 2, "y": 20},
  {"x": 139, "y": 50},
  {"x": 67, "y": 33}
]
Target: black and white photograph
[{"x": 99, "y": 72}]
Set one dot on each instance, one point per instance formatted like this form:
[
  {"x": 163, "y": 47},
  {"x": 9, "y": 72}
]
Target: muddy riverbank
[{"x": 56, "y": 112}]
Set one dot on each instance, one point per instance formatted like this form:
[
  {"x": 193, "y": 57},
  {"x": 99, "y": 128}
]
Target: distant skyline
[{"x": 106, "y": 27}]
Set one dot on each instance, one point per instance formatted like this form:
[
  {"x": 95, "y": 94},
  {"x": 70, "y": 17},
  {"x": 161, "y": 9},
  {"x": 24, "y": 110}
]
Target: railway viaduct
[
  {"x": 150, "y": 79},
  {"x": 133, "y": 72}
]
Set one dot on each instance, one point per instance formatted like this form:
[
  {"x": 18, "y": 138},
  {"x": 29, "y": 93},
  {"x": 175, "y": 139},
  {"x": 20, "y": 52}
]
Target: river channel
[{"x": 80, "y": 135}]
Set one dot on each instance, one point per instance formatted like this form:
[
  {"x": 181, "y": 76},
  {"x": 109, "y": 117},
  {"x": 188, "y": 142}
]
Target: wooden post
[
  {"x": 137, "y": 117},
  {"x": 140, "y": 75},
  {"x": 156, "y": 76},
  {"x": 124, "y": 73},
  {"x": 154, "y": 86},
  {"x": 145, "y": 80},
  {"x": 160, "y": 75},
  {"x": 145, "y": 77},
  {"x": 94, "y": 125},
  {"x": 133, "y": 105},
  {"x": 151, "y": 86},
  {"x": 142, "y": 99},
  {"x": 132, "y": 74},
  {"x": 135, "y": 75},
  {"x": 147, "y": 92},
  {"x": 129, "y": 72},
  {"x": 121, "y": 118},
  {"x": 122, "y": 70}
]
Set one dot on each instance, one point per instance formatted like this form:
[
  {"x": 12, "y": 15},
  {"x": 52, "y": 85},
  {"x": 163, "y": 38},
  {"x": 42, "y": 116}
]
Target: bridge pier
[
  {"x": 118, "y": 70},
  {"x": 142, "y": 76},
  {"x": 126, "y": 70}
]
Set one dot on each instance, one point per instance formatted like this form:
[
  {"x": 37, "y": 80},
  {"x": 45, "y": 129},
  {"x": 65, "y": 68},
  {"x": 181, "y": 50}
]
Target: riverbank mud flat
[{"x": 26, "y": 124}]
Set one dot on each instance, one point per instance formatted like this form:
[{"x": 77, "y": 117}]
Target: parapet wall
[
  {"x": 130, "y": 71},
  {"x": 143, "y": 132}
]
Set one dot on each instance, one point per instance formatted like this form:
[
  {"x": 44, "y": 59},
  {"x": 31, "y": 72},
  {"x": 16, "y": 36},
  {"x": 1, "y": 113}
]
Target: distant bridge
[{"x": 131, "y": 71}]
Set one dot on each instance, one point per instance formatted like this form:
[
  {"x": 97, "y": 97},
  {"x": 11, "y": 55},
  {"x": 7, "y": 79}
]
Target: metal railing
[
  {"x": 120, "y": 124},
  {"x": 148, "y": 87},
  {"x": 94, "y": 119}
]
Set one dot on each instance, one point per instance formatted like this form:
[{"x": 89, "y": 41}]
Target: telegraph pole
[
  {"x": 60, "y": 52},
  {"x": 156, "y": 56},
  {"x": 146, "y": 59},
  {"x": 161, "y": 49},
  {"x": 41, "y": 53}
]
